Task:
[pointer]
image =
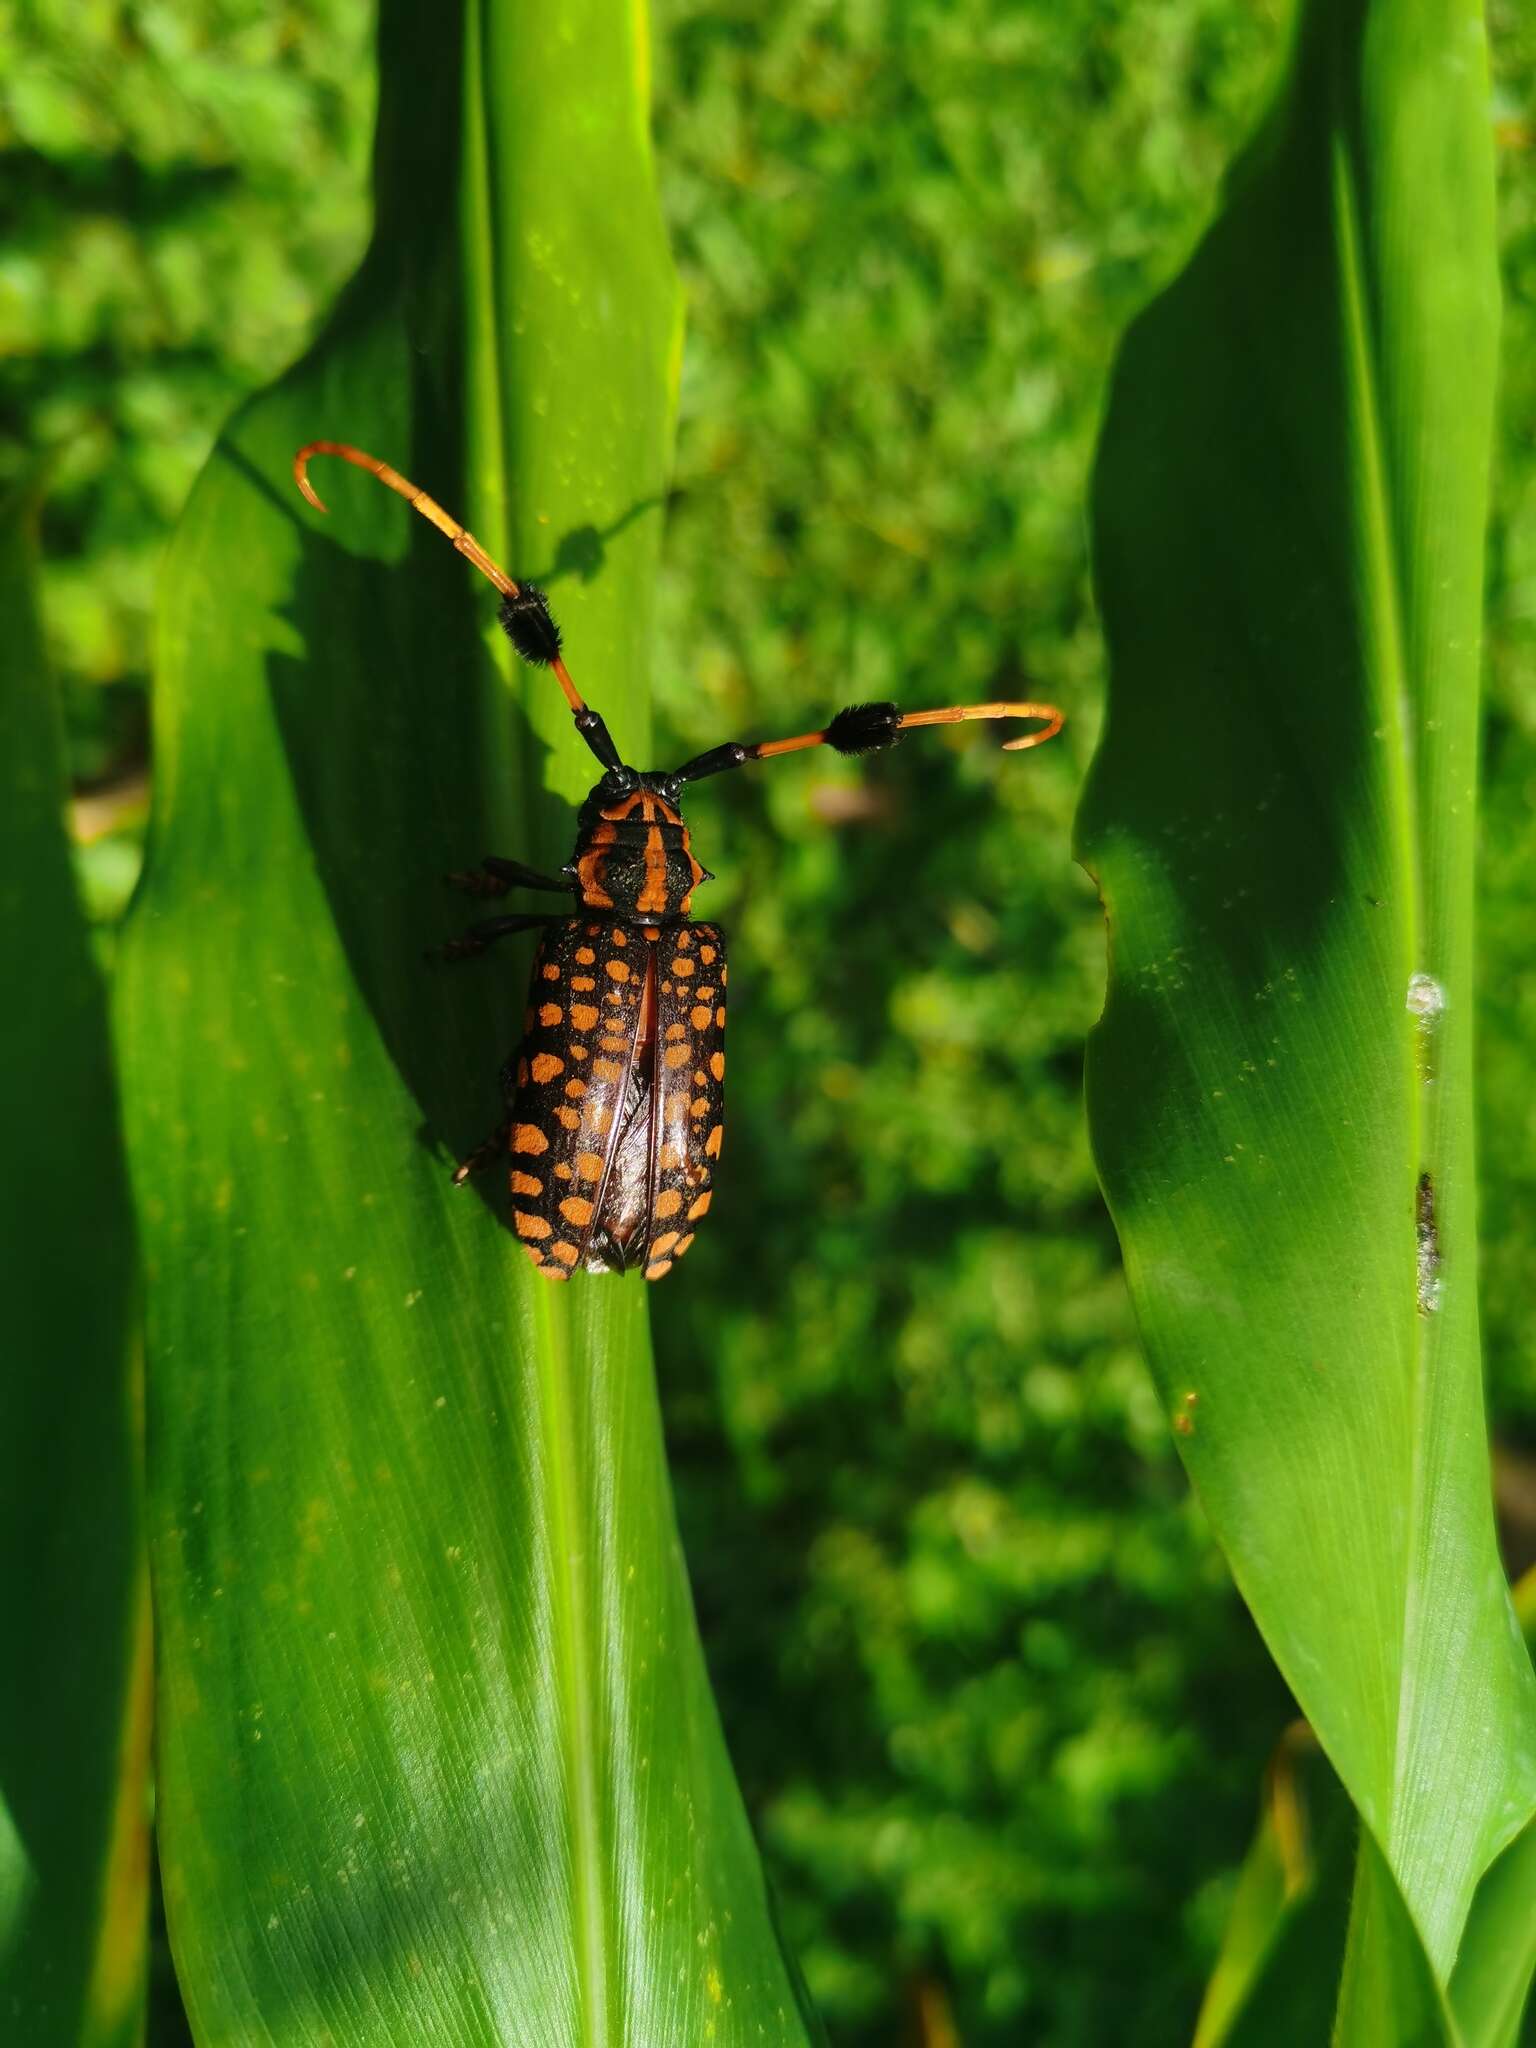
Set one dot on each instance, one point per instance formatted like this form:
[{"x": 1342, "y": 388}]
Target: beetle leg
[
  {"x": 485, "y": 1154},
  {"x": 474, "y": 941},
  {"x": 496, "y": 877}
]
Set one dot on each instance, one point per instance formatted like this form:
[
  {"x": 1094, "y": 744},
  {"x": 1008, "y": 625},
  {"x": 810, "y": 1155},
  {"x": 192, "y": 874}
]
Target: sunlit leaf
[
  {"x": 439, "y": 1758},
  {"x": 1288, "y": 510}
]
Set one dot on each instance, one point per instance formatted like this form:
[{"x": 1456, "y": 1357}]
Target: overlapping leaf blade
[
  {"x": 439, "y": 1758},
  {"x": 1288, "y": 511},
  {"x": 74, "y": 1710}
]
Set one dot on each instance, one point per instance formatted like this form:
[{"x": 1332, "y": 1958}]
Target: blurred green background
[{"x": 999, "y": 1717}]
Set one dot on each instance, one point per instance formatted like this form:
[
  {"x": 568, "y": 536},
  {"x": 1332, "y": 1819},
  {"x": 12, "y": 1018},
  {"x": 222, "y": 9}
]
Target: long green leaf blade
[
  {"x": 1288, "y": 509},
  {"x": 439, "y": 1756},
  {"x": 74, "y": 1705}
]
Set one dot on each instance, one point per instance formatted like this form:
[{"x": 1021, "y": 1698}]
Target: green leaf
[
  {"x": 1388, "y": 1992},
  {"x": 1277, "y": 1975},
  {"x": 1494, "y": 1967},
  {"x": 74, "y": 1708},
  {"x": 1276, "y": 1978},
  {"x": 1288, "y": 512},
  {"x": 439, "y": 1758}
]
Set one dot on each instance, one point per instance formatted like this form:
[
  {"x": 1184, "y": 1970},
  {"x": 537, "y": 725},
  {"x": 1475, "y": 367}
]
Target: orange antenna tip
[
  {"x": 955, "y": 714},
  {"x": 1054, "y": 721},
  {"x": 301, "y": 478}
]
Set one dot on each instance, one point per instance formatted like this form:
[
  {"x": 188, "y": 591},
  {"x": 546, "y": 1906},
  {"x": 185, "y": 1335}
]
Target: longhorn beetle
[{"x": 615, "y": 1097}]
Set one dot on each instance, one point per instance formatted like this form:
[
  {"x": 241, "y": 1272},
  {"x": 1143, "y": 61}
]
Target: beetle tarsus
[{"x": 484, "y": 1156}]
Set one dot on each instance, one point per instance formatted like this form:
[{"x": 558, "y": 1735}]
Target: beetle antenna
[
  {"x": 523, "y": 612},
  {"x": 866, "y": 728}
]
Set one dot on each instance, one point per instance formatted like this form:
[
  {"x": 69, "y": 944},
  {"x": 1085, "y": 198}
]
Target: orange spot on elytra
[
  {"x": 578, "y": 1210},
  {"x": 566, "y": 1253},
  {"x": 525, "y": 1184},
  {"x": 618, "y": 970},
  {"x": 676, "y": 1031},
  {"x": 528, "y": 1138},
  {"x": 698, "y": 1016},
  {"x": 590, "y": 1165},
  {"x": 668, "y": 1202},
  {"x": 698, "y": 1107},
  {"x": 583, "y": 1016},
  {"x": 717, "y": 1065},
  {"x": 682, "y": 968},
  {"x": 575, "y": 1089},
  {"x": 550, "y": 1014},
  {"x": 707, "y": 955},
  {"x": 678, "y": 1055},
  {"x": 720, "y": 1016},
  {"x": 620, "y": 936},
  {"x": 551, "y": 971},
  {"x": 545, "y": 1066},
  {"x": 700, "y": 1207},
  {"x": 529, "y": 1226},
  {"x": 713, "y": 1142},
  {"x": 663, "y": 1244},
  {"x": 569, "y": 1117},
  {"x": 585, "y": 955},
  {"x": 606, "y": 1070},
  {"x": 583, "y": 982}
]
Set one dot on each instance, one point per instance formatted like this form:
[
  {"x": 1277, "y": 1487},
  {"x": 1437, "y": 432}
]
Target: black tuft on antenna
[
  {"x": 865, "y": 728},
  {"x": 527, "y": 624}
]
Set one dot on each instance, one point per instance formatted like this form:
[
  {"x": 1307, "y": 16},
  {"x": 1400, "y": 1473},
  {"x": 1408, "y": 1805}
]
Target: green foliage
[
  {"x": 74, "y": 1707},
  {"x": 430, "y": 1697},
  {"x": 942, "y": 1527},
  {"x": 1507, "y": 872},
  {"x": 184, "y": 183}
]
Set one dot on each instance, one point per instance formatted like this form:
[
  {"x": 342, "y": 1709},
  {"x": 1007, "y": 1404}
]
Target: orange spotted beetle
[{"x": 615, "y": 1097}]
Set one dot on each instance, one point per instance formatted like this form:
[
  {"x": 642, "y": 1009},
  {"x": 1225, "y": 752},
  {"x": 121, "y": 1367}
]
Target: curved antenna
[
  {"x": 953, "y": 714},
  {"x": 517, "y": 594},
  {"x": 864, "y": 727}
]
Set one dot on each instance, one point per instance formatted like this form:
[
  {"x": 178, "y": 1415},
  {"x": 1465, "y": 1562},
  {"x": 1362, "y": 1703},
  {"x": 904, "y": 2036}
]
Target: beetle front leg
[{"x": 497, "y": 877}]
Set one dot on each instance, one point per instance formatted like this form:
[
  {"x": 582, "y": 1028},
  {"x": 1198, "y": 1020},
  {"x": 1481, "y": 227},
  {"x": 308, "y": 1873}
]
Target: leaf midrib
[
  {"x": 570, "y": 1632},
  {"x": 1387, "y": 671}
]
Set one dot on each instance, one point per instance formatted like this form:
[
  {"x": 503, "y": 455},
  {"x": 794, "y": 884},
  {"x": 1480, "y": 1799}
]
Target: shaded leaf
[{"x": 74, "y": 1710}]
